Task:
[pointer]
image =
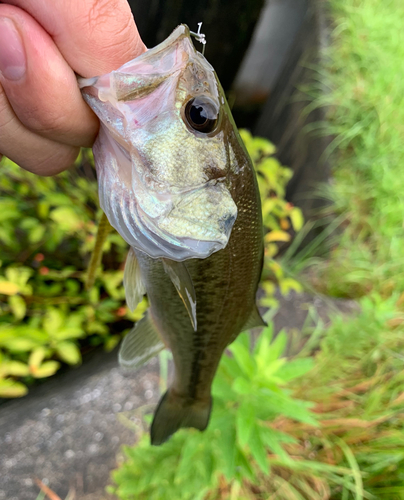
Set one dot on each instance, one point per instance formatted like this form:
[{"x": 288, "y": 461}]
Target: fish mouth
[
  {"x": 188, "y": 230},
  {"x": 163, "y": 237}
]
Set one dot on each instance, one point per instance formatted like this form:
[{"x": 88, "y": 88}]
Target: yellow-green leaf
[
  {"x": 8, "y": 288},
  {"x": 53, "y": 321},
  {"x": 36, "y": 357},
  {"x": 18, "y": 306},
  {"x": 36, "y": 233},
  {"x": 46, "y": 369},
  {"x": 19, "y": 344},
  {"x": 287, "y": 284},
  {"x": 297, "y": 219},
  {"x": 277, "y": 236},
  {"x": 11, "y": 389},
  {"x": 269, "y": 204},
  {"x": 112, "y": 342},
  {"x": 68, "y": 352},
  {"x": 14, "y": 368},
  {"x": 66, "y": 218}
]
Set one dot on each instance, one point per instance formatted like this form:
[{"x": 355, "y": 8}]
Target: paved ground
[{"x": 68, "y": 431}]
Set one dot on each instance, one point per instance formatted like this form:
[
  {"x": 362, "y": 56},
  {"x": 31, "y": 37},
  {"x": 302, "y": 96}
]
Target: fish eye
[{"x": 201, "y": 114}]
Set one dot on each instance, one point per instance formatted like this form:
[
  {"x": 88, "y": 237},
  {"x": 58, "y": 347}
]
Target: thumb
[{"x": 94, "y": 36}]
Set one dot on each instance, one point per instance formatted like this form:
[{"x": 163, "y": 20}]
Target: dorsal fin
[
  {"x": 132, "y": 281},
  {"x": 140, "y": 344},
  {"x": 179, "y": 275}
]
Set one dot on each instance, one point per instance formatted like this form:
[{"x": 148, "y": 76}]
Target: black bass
[{"x": 177, "y": 183}]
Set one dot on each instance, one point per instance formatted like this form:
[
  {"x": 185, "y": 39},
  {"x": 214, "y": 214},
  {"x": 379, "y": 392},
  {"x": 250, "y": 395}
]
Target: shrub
[
  {"x": 46, "y": 317},
  {"x": 48, "y": 228}
]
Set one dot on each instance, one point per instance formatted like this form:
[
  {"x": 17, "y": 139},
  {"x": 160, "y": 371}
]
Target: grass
[
  {"x": 360, "y": 360},
  {"x": 365, "y": 77},
  {"x": 361, "y": 396}
]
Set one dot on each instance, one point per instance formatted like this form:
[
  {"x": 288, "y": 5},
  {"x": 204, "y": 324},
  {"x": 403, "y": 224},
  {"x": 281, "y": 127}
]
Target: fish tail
[{"x": 175, "y": 412}]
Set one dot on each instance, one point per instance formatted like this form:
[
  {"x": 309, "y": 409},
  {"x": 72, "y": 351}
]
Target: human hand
[{"x": 43, "y": 119}]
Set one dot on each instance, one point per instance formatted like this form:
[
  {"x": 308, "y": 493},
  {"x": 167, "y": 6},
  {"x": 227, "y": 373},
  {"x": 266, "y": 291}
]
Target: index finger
[{"x": 94, "y": 36}]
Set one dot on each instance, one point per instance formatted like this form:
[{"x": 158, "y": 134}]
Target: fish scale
[{"x": 184, "y": 195}]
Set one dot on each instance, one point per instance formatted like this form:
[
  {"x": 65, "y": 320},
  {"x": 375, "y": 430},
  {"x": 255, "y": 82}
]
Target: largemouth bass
[{"x": 178, "y": 185}]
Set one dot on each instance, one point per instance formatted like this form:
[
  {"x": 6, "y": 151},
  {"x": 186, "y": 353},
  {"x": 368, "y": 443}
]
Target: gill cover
[{"x": 161, "y": 154}]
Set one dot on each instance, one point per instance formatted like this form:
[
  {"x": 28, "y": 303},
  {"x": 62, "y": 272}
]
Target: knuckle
[
  {"x": 114, "y": 19},
  {"x": 33, "y": 114},
  {"x": 57, "y": 160},
  {"x": 44, "y": 120},
  {"x": 9, "y": 123}
]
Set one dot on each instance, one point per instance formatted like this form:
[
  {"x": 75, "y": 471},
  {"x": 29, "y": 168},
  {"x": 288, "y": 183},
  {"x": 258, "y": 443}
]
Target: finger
[
  {"x": 40, "y": 85},
  {"x": 30, "y": 151},
  {"x": 94, "y": 36}
]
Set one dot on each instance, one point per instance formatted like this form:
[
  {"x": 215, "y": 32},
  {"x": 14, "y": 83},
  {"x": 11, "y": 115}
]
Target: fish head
[{"x": 162, "y": 155}]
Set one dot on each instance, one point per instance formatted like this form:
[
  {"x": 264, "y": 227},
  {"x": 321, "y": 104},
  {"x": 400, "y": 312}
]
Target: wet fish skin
[
  {"x": 225, "y": 284},
  {"x": 228, "y": 234}
]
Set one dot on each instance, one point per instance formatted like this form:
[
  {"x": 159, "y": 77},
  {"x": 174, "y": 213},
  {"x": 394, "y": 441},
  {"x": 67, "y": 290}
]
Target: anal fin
[{"x": 142, "y": 343}]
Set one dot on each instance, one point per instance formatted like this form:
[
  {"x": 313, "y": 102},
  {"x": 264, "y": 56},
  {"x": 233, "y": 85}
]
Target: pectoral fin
[
  {"x": 140, "y": 344},
  {"x": 132, "y": 281},
  {"x": 182, "y": 281},
  {"x": 254, "y": 320}
]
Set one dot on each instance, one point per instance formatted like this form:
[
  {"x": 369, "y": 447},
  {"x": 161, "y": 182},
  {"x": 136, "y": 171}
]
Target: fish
[{"x": 176, "y": 181}]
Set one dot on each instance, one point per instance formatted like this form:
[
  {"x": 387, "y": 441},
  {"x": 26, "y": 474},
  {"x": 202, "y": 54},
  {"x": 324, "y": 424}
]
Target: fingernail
[{"x": 12, "y": 53}]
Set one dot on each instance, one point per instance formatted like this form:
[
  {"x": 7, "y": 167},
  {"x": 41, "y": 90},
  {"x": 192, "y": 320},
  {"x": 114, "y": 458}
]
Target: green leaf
[
  {"x": 278, "y": 346},
  {"x": 228, "y": 448},
  {"x": 68, "y": 352},
  {"x": 241, "y": 386},
  {"x": 243, "y": 358},
  {"x": 245, "y": 420},
  {"x": 258, "y": 450},
  {"x": 273, "y": 440},
  {"x": 295, "y": 368},
  {"x": 244, "y": 467},
  {"x": 12, "y": 389},
  {"x": 188, "y": 452},
  {"x": 18, "y": 306}
]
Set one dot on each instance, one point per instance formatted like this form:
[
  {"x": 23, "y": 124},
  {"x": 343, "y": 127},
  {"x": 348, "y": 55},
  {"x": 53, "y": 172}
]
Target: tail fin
[{"x": 174, "y": 412}]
